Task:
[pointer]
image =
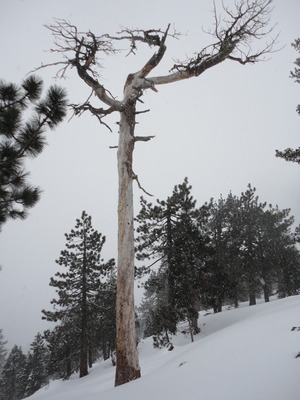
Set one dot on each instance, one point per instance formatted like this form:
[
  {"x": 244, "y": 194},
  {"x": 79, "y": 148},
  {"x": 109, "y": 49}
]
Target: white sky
[{"x": 220, "y": 130}]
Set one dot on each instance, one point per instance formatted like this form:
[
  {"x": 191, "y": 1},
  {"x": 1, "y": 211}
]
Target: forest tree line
[{"x": 228, "y": 250}]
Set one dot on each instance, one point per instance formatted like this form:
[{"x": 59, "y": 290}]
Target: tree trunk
[
  {"x": 126, "y": 351},
  {"x": 236, "y": 297},
  {"x": 68, "y": 361},
  {"x": 220, "y": 305},
  {"x": 83, "y": 369},
  {"x": 191, "y": 330},
  {"x": 90, "y": 356},
  {"x": 252, "y": 297},
  {"x": 266, "y": 292},
  {"x": 194, "y": 322}
]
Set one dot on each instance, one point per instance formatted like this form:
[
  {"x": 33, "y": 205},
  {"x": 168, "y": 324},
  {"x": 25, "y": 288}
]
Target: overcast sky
[{"x": 220, "y": 130}]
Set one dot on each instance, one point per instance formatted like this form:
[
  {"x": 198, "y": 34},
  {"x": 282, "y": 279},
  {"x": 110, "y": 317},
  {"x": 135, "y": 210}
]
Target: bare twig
[{"x": 135, "y": 177}]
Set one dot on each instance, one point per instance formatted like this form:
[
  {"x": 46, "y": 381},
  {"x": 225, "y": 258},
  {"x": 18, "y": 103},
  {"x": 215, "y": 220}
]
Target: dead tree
[{"x": 233, "y": 36}]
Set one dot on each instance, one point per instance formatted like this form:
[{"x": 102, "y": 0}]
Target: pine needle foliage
[{"x": 21, "y": 139}]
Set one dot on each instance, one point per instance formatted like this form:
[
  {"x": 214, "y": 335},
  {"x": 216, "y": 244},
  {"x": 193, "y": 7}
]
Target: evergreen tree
[
  {"x": 37, "y": 362},
  {"x": 249, "y": 241},
  {"x": 14, "y": 376},
  {"x": 159, "y": 319},
  {"x": 103, "y": 329},
  {"x": 293, "y": 154},
  {"x": 63, "y": 347},
  {"x": 77, "y": 288},
  {"x": 3, "y": 350},
  {"x": 172, "y": 232},
  {"x": 223, "y": 269},
  {"x": 288, "y": 270},
  {"x": 251, "y": 213},
  {"x": 20, "y": 140}
]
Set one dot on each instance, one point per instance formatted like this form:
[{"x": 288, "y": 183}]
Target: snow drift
[{"x": 241, "y": 354}]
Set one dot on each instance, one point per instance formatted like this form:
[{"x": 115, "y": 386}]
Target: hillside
[{"x": 243, "y": 354}]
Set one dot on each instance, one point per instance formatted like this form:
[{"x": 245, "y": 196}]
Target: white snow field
[{"x": 247, "y": 353}]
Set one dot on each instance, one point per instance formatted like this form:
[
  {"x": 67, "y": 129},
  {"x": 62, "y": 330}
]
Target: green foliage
[
  {"x": 86, "y": 294},
  {"x": 63, "y": 347},
  {"x": 228, "y": 250},
  {"x": 37, "y": 362},
  {"x": 21, "y": 139},
  {"x": 173, "y": 232},
  {"x": 3, "y": 350},
  {"x": 13, "y": 379}
]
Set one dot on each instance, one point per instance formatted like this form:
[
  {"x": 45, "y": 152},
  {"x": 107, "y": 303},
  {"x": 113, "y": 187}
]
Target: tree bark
[
  {"x": 236, "y": 297},
  {"x": 83, "y": 370},
  {"x": 126, "y": 351},
  {"x": 252, "y": 297},
  {"x": 90, "y": 352},
  {"x": 266, "y": 292}
]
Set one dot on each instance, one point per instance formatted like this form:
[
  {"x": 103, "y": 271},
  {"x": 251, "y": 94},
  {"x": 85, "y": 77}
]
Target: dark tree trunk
[
  {"x": 83, "y": 364},
  {"x": 105, "y": 353},
  {"x": 191, "y": 329},
  {"x": 236, "y": 298},
  {"x": 193, "y": 321},
  {"x": 68, "y": 362},
  {"x": 266, "y": 292},
  {"x": 220, "y": 305},
  {"x": 252, "y": 297},
  {"x": 90, "y": 356}
]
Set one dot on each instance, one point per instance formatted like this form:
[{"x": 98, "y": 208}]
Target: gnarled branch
[{"x": 249, "y": 21}]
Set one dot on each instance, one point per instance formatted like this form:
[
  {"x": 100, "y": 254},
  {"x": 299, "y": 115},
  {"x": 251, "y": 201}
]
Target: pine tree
[
  {"x": 288, "y": 272},
  {"x": 293, "y": 154},
  {"x": 78, "y": 287},
  {"x": 37, "y": 362},
  {"x": 63, "y": 347},
  {"x": 223, "y": 271},
  {"x": 3, "y": 350},
  {"x": 173, "y": 233},
  {"x": 159, "y": 319},
  {"x": 20, "y": 140},
  {"x": 249, "y": 241},
  {"x": 14, "y": 376},
  {"x": 103, "y": 329}
]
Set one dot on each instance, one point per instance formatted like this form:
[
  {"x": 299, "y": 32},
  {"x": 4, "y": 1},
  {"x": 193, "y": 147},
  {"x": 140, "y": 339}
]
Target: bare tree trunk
[{"x": 126, "y": 351}]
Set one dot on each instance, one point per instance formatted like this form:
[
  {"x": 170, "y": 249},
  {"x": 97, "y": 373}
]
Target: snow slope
[{"x": 243, "y": 354}]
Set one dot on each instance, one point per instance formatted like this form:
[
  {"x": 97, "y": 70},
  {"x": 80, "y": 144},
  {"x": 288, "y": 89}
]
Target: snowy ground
[{"x": 243, "y": 354}]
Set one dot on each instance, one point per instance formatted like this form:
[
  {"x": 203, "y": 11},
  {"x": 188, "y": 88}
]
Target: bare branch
[
  {"x": 143, "y": 138},
  {"x": 135, "y": 177},
  {"x": 100, "y": 113},
  {"x": 81, "y": 50},
  {"x": 142, "y": 112},
  {"x": 152, "y": 37},
  {"x": 248, "y": 22}
]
